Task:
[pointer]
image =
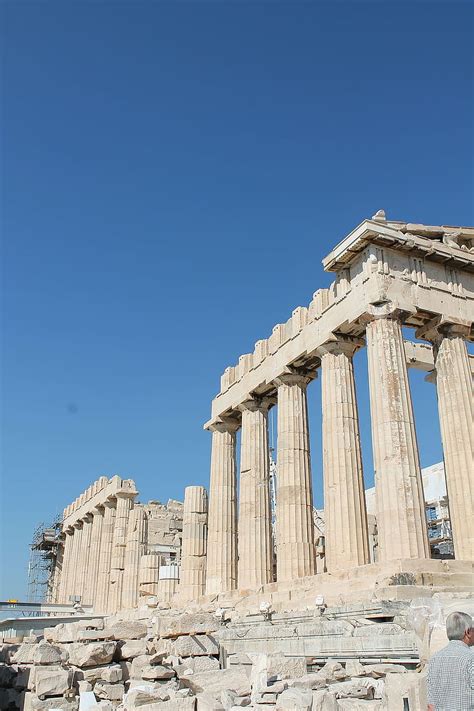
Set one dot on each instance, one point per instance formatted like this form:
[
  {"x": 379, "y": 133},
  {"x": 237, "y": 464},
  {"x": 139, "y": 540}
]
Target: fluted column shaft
[
  {"x": 117, "y": 561},
  {"x": 103, "y": 581},
  {"x": 255, "y": 564},
  {"x": 400, "y": 507},
  {"x": 346, "y": 536},
  {"x": 83, "y": 562},
  {"x": 75, "y": 578},
  {"x": 296, "y": 555},
  {"x": 67, "y": 561},
  {"x": 135, "y": 548},
  {"x": 90, "y": 588},
  {"x": 456, "y": 415},
  {"x": 221, "y": 575},
  {"x": 194, "y": 543}
]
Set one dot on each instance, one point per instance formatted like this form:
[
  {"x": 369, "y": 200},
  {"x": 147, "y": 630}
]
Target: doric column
[
  {"x": 83, "y": 562},
  {"x": 64, "y": 590},
  {"x": 103, "y": 580},
  {"x": 117, "y": 561},
  {"x": 456, "y": 415},
  {"x": 221, "y": 574},
  {"x": 53, "y": 591},
  {"x": 346, "y": 537},
  {"x": 75, "y": 578},
  {"x": 135, "y": 548},
  {"x": 90, "y": 589},
  {"x": 194, "y": 543},
  {"x": 296, "y": 555},
  {"x": 400, "y": 507},
  {"x": 255, "y": 565}
]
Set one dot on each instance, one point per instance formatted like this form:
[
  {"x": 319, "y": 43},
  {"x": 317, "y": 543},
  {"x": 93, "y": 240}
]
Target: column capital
[
  {"x": 77, "y": 524},
  {"x": 257, "y": 403},
  {"x": 97, "y": 510},
  {"x": 225, "y": 424},
  {"x": 442, "y": 327},
  {"x": 126, "y": 494},
  {"x": 87, "y": 518},
  {"x": 110, "y": 503},
  {"x": 294, "y": 378},
  {"x": 69, "y": 530},
  {"x": 382, "y": 310},
  {"x": 340, "y": 344}
]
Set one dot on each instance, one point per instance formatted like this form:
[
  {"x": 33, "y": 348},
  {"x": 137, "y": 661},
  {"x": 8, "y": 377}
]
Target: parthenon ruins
[{"x": 388, "y": 275}]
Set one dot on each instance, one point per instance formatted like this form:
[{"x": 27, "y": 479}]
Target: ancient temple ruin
[
  {"x": 389, "y": 275},
  {"x": 116, "y": 552}
]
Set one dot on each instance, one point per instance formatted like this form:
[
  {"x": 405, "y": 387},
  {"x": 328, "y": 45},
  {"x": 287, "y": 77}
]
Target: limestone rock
[
  {"x": 333, "y": 671},
  {"x": 199, "y": 645},
  {"x": 132, "y": 648},
  {"x": 295, "y": 700},
  {"x": 127, "y": 630},
  {"x": 111, "y": 692},
  {"x": 62, "y": 633},
  {"x": 214, "y": 682},
  {"x": 52, "y": 682},
  {"x": 93, "y": 654},
  {"x": 136, "y": 698},
  {"x": 314, "y": 680},
  {"x": 24, "y": 654},
  {"x": 187, "y": 624},
  {"x": 138, "y": 664}
]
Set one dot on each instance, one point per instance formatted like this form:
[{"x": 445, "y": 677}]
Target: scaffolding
[{"x": 44, "y": 561}]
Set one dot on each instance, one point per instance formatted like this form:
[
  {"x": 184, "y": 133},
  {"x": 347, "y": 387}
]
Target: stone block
[
  {"x": 132, "y": 648},
  {"x": 198, "y": 645},
  {"x": 354, "y": 668},
  {"x": 214, "y": 682},
  {"x": 52, "y": 682},
  {"x": 24, "y": 654},
  {"x": 157, "y": 672},
  {"x": 110, "y": 692},
  {"x": 355, "y": 688},
  {"x": 378, "y": 671},
  {"x": 45, "y": 653},
  {"x": 359, "y": 705},
  {"x": 333, "y": 671},
  {"x": 112, "y": 673},
  {"x": 295, "y": 699},
  {"x": 138, "y": 664},
  {"x": 197, "y": 664},
  {"x": 63, "y": 633},
  {"x": 92, "y": 654},
  {"x": 281, "y": 667},
  {"x": 93, "y": 635},
  {"x": 314, "y": 680},
  {"x": 324, "y": 701},
  {"x": 401, "y": 686},
  {"x": 127, "y": 630},
  {"x": 207, "y": 702},
  {"x": 187, "y": 624},
  {"x": 30, "y": 702},
  {"x": 377, "y": 629}
]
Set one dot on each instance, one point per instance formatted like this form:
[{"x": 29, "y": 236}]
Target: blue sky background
[{"x": 173, "y": 174}]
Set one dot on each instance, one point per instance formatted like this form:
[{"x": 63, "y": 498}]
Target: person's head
[{"x": 459, "y": 626}]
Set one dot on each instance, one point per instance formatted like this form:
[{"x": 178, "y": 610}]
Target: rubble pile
[{"x": 174, "y": 661}]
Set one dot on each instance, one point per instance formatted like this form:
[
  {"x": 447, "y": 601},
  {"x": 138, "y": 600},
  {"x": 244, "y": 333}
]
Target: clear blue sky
[{"x": 173, "y": 174}]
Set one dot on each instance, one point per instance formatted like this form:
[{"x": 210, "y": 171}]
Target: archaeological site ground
[{"x": 245, "y": 595}]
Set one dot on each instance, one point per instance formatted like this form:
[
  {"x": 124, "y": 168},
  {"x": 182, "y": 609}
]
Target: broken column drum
[{"x": 194, "y": 544}]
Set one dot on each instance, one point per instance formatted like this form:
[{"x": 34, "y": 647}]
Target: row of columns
[
  {"x": 101, "y": 555},
  {"x": 399, "y": 492}
]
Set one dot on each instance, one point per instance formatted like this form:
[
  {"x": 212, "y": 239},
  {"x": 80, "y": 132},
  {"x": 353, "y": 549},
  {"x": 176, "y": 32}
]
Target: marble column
[
  {"x": 221, "y": 573},
  {"x": 117, "y": 561},
  {"x": 75, "y": 578},
  {"x": 83, "y": 563},
  {"x": 346, "y": 536},
  {"x": 90, "y": 589},
  {"x": 400, "y": 507},
  {"x": 456, "y": 415},
  {"x": 135, "y": 548},
  {"x": 66, "y": 569},
  {"x": 194, "y": 543},
  {"x": 53, "y": 591},
  {"x": 255, "y": 565},
  {"x": 148, "y": 575},
  {"x": 103, "y": 580},
  {"x": 296, "y": 554}
]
